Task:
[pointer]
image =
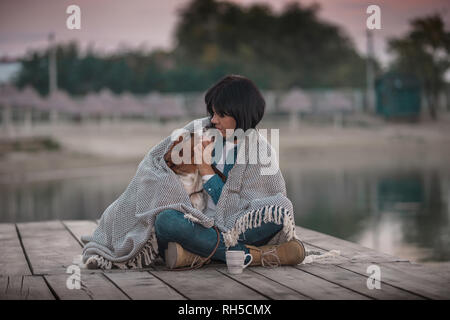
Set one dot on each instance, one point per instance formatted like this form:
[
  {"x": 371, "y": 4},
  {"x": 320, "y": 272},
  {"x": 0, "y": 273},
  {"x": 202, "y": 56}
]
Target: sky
[{"x": 107, "y": 25}]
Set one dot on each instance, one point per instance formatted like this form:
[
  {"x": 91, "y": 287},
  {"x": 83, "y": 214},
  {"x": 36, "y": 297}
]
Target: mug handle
[{"x": 251, "y": 259}]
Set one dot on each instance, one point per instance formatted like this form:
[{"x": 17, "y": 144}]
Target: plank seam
[
  {"x": 55, "y": 295},
  {"x": 253, "y": 289},
  {"x": 114, "y": 284},
  {"x": 23, "y": 250},
  {"x": 73, "y": 235},
  {"x": 282, "y": 284},
  {"x": 340, "y": 285},
  {"x": 170, "y": 286}
]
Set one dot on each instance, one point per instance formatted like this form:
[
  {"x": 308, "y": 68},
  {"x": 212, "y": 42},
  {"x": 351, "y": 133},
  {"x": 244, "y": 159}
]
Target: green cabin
[{"x": 398, "y": 96}]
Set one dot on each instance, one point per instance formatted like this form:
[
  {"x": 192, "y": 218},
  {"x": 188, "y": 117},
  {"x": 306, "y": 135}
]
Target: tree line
[{"x": 276, "y": 50}]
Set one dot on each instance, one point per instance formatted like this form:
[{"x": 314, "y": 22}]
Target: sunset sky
[{"x": 109, "y": 24}]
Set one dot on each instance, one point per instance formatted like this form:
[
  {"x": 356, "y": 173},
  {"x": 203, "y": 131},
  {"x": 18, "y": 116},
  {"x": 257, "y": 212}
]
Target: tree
[
  {"x": 278, "y": 51},
  {"x": 424, "y": 52}
]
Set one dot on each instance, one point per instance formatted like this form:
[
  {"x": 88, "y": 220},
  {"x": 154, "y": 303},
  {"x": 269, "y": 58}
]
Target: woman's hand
[{"x": 203, "y": 151}]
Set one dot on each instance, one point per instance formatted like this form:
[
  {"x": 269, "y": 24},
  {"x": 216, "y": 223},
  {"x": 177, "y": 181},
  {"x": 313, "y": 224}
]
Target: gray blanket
[{"x": 125, "y": 236}]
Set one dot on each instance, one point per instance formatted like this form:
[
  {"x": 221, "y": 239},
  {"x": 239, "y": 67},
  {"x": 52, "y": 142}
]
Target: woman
[
  {"x": 248, "y": 211},
  {"x": 233, "y": 103}
]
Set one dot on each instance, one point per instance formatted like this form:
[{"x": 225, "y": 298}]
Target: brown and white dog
[{"x": 188, "y": 172}]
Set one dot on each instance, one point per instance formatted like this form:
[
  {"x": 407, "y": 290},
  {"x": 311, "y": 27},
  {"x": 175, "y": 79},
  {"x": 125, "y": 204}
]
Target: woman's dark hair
[{"x": 238, "y": 97}]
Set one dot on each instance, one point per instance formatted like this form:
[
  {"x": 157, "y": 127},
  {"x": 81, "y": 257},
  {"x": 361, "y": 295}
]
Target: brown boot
[
  {"x": 288, "y": 253},
  {"x": 178, "y": 257}
]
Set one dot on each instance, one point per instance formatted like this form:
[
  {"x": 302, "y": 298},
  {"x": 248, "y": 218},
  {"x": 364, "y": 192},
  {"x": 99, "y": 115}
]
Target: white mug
[{"x": 235, "y": 261}]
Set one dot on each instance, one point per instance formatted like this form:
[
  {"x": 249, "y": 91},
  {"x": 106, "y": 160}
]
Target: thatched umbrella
[
  {"x": 335, "y": 101},
  {"x": 164, "y": 106},
  {"x": 27, "y": 100},
  {"x": 110, "y": 101},
  {"x": 296, "y": 100},
  {"x": 60, "y": 102},
  {"x": 129, "y": 105},
  {"x": 8, "y": 94},
  {"x": 92, "y": 104}
]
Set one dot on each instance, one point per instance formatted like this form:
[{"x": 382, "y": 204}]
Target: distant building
[
  {"x": 398, "y": 96},
  {"x": 8, "y": 69}
]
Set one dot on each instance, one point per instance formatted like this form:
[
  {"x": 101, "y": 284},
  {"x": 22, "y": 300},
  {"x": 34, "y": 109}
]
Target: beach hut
[{"x": 398, "y": 96}]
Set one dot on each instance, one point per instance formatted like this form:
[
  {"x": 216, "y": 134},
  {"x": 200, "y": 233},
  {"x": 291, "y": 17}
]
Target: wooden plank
[
  {"x": 439, "y": 268},
  {"x": 358, "y": 261},
  {"x": 266, "y": 287},
  {"x": 400, "y": 279},
  {"x": 24, "y": 288},
  {"x": 12, "y": 257},
  {"x": 49, "y": 246},
  {"x": 141, "y": 285},
  {"x": 357, "y": 282},
  {"x": 307, "y": 284},
  {"x": 418, "y": 270},
  {"x": 80, "y": 228},
  {"x": 93, "y": 286},
  {"x": 207, "y": 284},
  {"x": 353, "y": 251}
]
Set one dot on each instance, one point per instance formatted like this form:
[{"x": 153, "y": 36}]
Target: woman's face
[{"x": 222, "y": 123}]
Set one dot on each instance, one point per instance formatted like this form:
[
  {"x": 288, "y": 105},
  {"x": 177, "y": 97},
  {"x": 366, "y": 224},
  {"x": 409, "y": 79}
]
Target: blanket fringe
[
  {"x": 144, "y": 258},
  {"x": 313, "y": 256},
  {"x": 100, "y": 261},
  {"x": 190, "y": 217},
  {"x": 254, "y": 218}
]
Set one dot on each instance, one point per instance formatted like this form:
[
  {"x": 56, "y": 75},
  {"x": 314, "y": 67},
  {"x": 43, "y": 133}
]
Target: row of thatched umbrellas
[
  {"x": 154, "y": 105},
  {"x": 104, "y": 103}
]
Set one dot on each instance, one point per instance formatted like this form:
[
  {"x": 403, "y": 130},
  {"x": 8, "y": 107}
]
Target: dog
[{"x": 188, "y": 173}]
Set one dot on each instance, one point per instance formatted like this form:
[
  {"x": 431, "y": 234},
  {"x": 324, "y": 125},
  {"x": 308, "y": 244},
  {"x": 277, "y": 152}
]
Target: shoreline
[{"x": 309, "y": 146}]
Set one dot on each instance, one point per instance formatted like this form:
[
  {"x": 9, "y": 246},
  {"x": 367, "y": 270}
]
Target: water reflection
[
  {"x": 397, "y": 211},
  {"x": 401, "y": 212},
  {"x": 75, "y": 198}
]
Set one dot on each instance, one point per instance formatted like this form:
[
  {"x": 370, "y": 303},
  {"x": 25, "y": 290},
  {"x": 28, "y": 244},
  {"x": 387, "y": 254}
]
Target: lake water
[{"x": 404, "y": 212}]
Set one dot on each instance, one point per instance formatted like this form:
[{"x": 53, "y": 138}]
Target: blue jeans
[{"x": 172, "y": 226}]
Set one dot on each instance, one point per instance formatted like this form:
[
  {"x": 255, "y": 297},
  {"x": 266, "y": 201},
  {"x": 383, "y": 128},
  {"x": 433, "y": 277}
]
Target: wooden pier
[{"x": 35, "y": 256}]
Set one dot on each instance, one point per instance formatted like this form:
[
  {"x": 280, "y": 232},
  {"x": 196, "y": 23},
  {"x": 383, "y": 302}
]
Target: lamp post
[
  {"x": 370, "y": 74},
  {"x": 52, "y": 69},
  {"x": 52, "y": 75}
]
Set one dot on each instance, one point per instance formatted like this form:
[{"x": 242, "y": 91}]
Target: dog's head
[{"x": 182, "y": 168}]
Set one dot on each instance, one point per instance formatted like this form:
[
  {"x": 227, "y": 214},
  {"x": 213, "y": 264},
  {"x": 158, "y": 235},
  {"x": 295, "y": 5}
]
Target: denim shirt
[{"x": 214, "y": 185}]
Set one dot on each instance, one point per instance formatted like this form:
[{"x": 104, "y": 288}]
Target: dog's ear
[{"x": 167, "y": 156}]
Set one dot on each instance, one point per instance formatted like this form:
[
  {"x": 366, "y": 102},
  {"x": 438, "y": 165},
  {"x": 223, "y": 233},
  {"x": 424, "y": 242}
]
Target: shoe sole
[
  {"x": 171, "y": 255},
  {"x": 303, "y": 250}
]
